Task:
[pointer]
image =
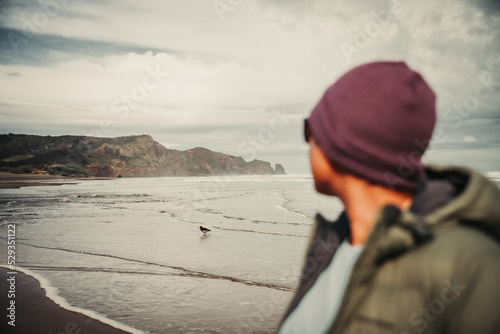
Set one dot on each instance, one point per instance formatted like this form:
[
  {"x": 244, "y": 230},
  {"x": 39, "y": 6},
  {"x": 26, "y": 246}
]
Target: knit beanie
[{"x": 376, "y": 122}]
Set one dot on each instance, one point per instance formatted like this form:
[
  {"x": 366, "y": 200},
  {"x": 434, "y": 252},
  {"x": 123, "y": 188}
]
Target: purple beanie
[{"x": 376, "y": 122}]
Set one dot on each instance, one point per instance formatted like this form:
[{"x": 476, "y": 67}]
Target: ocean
[{"x": 130, "y": 250}]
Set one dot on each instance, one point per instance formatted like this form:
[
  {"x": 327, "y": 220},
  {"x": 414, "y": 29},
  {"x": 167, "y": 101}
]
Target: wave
[
  {"x": 493, "y": 175},
  {"x": 260, "y": 232},
  {"x": 252, "y": 231},
  {"x": 185, "y": 271},
  {"x": 250, "y": 178},
  {"x": 281, "y": 207},
  {"x": 51, "y": 293}
]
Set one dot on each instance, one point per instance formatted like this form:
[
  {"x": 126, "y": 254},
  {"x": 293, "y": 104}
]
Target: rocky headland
[{"x": 130, "y": 156}]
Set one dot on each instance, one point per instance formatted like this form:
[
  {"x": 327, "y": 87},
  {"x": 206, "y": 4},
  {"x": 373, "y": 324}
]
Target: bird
[{"x": 204, "y": 230}]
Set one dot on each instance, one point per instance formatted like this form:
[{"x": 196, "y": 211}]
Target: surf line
[
  {"x": 192, "y": 273},
  {"x": 105, "y": 270},
  {"x": 252, "y": 231},
  {"x": 286, "y": 200},
  {"x": 51, "y": 293}
]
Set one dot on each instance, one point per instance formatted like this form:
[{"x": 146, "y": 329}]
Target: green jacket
[{"x": 432, "y": 269}]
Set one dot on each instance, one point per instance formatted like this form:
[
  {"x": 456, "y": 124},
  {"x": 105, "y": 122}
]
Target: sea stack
[{"x": 279, "y": 170}]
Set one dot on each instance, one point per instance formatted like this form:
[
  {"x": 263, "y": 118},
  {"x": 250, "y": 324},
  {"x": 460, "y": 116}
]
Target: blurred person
[{"x": 417, "y": 248}]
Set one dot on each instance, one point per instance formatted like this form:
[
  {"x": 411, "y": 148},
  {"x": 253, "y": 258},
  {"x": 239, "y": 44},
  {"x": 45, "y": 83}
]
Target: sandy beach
[
  {"x": 12, "y": 181},
  {"x": 36, "y": 313}
]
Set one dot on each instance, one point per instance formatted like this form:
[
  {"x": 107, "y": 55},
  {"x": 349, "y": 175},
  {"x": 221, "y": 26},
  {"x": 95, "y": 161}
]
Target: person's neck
[{"x": 363, "y": 201}]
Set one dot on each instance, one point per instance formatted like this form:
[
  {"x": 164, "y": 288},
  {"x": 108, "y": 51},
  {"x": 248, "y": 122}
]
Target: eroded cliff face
[{"x": 131, "y": 156}]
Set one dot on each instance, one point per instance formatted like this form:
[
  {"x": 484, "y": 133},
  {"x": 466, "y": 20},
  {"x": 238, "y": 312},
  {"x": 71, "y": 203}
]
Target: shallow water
[{"x": 130, "y": 249}]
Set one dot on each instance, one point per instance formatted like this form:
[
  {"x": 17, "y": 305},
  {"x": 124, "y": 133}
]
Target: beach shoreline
[
  {"x": 32, "y": 311},
  {"x": 15, "y": 181}
]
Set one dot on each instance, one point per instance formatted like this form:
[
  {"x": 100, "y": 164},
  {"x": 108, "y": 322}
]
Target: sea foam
[{"x": 51, "y": 293}]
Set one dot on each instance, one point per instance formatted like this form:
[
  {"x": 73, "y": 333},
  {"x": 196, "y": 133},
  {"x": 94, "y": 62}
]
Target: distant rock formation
[
  {"x": 131, "y": 156},
  {"x": 279, "y": 170}
]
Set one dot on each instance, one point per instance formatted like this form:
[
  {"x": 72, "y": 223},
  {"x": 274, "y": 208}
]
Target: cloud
[
  {"x": 12, "y": 74},
  {"x": 44, "y": 50},
  {"x": 86, "y": 67},
  {"x": 172, "y": 82},
  {"x": 490, "y": 7},
  {"x": 469, "y": 139}
]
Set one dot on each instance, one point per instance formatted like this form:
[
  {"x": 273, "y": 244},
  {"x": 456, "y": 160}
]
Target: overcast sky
[{"x": 239, "y": 76}]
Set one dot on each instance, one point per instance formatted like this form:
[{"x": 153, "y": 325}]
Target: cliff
[{"x": 131, "y": 156}]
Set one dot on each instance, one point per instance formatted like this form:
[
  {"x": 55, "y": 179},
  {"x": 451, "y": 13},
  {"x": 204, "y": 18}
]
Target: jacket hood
[
  {"x": 445, "y": 194},
  {"x": 453, "y": 193}
]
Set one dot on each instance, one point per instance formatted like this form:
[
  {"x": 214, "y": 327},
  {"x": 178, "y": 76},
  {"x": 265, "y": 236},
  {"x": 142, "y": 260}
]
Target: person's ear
[{"x": 324, "y": 173}]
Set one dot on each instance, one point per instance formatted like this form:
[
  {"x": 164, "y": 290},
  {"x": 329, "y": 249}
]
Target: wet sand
[
  {"x": 36, "y": 313},
  {"x": 12, "y": 181}
]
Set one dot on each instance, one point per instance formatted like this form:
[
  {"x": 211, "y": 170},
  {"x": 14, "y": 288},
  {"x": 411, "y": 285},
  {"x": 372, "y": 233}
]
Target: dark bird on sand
[{"x": 204, "y": 230}]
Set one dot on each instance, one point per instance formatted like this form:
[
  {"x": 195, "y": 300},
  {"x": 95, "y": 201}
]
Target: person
[{"x": 417, "y": 248}]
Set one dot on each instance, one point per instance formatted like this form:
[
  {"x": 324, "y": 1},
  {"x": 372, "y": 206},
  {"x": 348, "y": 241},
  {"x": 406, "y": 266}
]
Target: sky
[{"x": 239, "y": 76}]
